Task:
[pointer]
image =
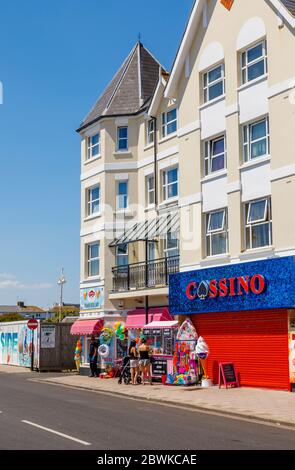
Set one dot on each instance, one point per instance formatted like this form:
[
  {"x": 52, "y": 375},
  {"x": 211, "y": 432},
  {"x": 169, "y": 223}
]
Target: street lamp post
[{"x": 61, "y": 282}]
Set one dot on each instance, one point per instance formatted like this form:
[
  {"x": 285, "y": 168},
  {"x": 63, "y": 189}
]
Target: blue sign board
[
  {"x": 257, "y": 285},
  {"x": 91, "y": 298}
]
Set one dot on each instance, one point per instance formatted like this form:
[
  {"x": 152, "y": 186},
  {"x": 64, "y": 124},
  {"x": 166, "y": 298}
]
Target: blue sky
[{"x": 56, "y": 57}]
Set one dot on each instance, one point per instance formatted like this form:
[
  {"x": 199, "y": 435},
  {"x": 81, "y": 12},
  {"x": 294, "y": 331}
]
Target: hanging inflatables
[
  {"x": 104, "y": 350},
  {"x": 187, "y": 331}
]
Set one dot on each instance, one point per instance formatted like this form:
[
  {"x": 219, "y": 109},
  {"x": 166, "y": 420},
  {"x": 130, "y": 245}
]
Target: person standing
[
  {"x": 144, "y": 361},
  {"x": 93, "y": 356},
  {"x": 133, "y": 362}
]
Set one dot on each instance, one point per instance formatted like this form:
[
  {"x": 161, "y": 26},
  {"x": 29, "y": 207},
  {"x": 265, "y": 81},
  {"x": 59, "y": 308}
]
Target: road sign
[{"x": 32, "y": 324}]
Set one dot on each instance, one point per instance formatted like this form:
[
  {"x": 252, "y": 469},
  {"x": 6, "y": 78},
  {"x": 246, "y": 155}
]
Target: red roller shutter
[{"x": 257, "y": 342}]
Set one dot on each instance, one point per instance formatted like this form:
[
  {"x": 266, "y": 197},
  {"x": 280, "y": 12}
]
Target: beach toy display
[
  {"x": 120, "y": 330},
  {"x": 184, "y": 358},
  {"x": 78, "y": 352},
  {"x": 106, "y": 335}
]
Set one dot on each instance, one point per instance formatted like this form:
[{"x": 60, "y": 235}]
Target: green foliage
[
  {"x": 61, "y": 313},
  {"x": 11, "y": 317}
]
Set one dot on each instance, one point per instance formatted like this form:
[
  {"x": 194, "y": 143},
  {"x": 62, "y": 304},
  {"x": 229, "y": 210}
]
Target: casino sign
[{"x": 233, "y": 286}]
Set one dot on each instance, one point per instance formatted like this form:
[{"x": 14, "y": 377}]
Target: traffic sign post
[{"x": 32, "y": 325}]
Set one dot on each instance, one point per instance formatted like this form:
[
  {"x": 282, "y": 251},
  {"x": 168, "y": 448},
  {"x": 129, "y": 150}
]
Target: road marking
[{"x": 57, "y": 433}]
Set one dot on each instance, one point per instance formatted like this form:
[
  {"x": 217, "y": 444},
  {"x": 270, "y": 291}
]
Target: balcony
[{"x": 145, "y": 275}]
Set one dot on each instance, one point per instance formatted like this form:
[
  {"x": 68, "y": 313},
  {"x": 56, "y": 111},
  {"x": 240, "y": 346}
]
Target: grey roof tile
[
  {"x": 290, "y": 5},
  {"x": 131, "y": 87}
]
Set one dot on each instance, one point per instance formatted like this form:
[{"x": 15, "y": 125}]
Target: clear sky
[{"x": 56, "y": 57}]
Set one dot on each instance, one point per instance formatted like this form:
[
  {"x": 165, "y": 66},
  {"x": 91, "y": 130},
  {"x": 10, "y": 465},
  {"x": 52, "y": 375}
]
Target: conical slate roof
[
  {"x": 290, "y": 5},
  {"x": 130, "y": 89}
]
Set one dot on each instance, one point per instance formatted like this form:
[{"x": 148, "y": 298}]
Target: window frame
[
  {"x": 90, "y": 201},
  {"x": 209, "y": 233},
  {"x": 209, "y": 157},
  {"x": 166, "y": 184},
  {"x": 206, "y": 85},
  {"x": 170, "y": 250},
  {"x": 118, "y": 208},
  {"x": 149, "y": 191},
  {"x": 91, "y": 146},
  {"x": 166, "y": 123},
  {"x": 248, "y": 225},
  {"x": 247, "y": 146},
  {"x": 119, "y": 139},
  {"x": 150, "y": 132},
  {"x": 122, "y": 255},
  {"x": 91, "y": 260},
  {"x": 244, "y": 68}
]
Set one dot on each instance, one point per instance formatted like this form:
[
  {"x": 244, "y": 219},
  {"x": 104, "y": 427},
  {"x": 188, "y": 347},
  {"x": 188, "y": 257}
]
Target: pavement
[
  {"x": 39, "y": 416},
  {"x": 269, "y": 406}
]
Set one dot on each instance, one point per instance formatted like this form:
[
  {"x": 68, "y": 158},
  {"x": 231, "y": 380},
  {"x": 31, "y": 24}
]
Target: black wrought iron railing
[{"x": 144, "y": 275}]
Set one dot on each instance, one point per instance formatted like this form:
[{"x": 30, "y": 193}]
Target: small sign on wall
[
  {"x": 92, "y": 297},
  {"x": 48, "y": 337}
]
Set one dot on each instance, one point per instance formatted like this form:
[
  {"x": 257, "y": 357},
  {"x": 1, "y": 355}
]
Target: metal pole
[
  {"x": 32, "y": 352},
  {"x": 146, "y": 309}
]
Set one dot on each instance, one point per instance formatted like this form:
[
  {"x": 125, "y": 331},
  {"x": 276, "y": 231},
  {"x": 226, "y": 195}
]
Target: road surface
[{"x": 45, "y": 417}]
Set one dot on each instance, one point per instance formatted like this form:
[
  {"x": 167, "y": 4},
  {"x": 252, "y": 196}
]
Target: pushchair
[{"x": 125, "y": 372}]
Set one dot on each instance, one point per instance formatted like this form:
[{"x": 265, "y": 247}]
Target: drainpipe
[{"x": 155, "y": 163}]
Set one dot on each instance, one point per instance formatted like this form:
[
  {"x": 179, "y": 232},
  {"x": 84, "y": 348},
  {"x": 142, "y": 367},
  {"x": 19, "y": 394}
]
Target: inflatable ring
[{"x": 103, "y": 350}]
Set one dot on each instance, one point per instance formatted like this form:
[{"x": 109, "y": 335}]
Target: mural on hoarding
[
  {"x": 16, "y": 344},
  {"x": 92, "y": 297}
]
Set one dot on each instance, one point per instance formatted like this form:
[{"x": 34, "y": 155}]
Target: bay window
[{"x": 93, "y": 146}]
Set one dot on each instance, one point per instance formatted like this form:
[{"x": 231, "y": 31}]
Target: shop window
[{"x": 258, "y": 219}]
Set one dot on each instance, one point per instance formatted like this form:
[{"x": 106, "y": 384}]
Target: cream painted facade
[{"x": 213, "y": 36}]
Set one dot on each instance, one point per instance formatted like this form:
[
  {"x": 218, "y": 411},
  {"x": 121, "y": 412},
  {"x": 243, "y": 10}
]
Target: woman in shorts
[
  {"x": 144, "y": 361},
  {"x": 133, "y": 362}
]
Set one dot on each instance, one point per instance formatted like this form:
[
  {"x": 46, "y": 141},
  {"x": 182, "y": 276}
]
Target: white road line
[{"x": 57, "y": 433}]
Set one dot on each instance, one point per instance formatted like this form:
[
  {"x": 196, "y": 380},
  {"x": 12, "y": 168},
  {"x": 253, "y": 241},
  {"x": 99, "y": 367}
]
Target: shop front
[
  {"x": 108, "y": 328},
  {"x": 245, "y": 313},
  {"x": 137, "y": 319}
]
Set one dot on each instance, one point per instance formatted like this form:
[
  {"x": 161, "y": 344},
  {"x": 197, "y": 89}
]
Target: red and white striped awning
[{"x": 87, "y": 327}]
